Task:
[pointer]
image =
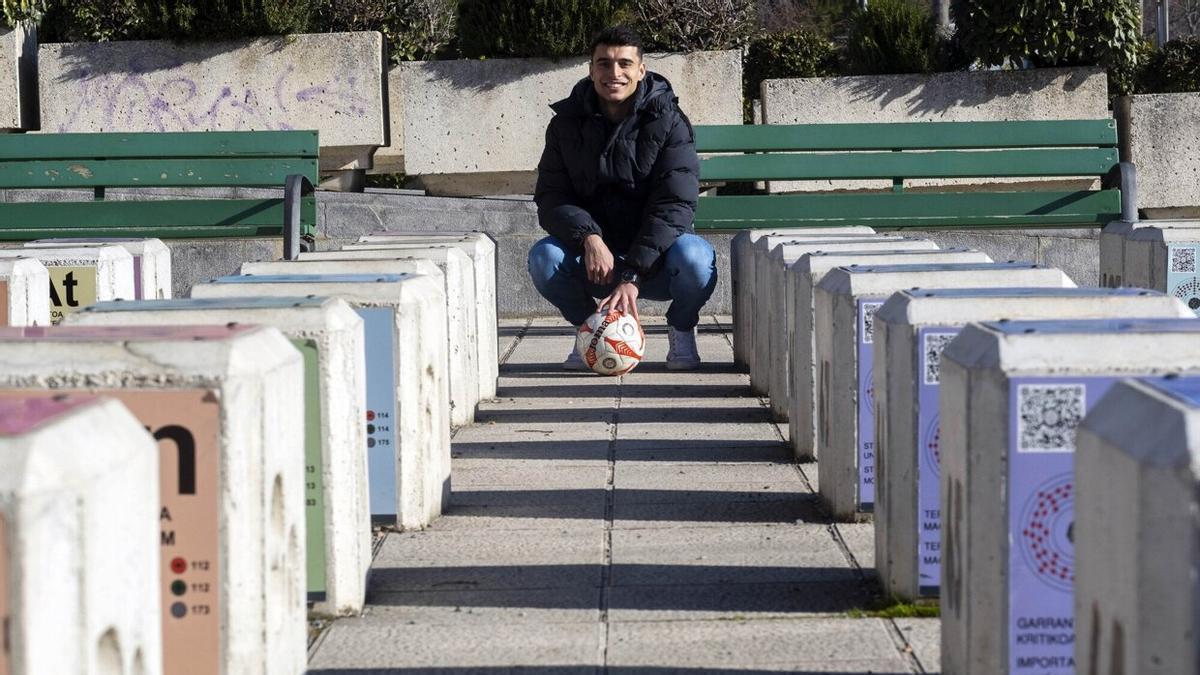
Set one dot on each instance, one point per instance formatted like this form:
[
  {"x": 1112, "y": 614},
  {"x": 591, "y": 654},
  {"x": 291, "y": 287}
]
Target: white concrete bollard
[
  {"x": 1012, "y": 396},
  {"x": 1162, "y": 257},
  {"x": 458, "y": 275},
  {"x": 1112, "y": 252},
  {"x": 741, "y": 276},
  {"x": 407, "y": 420},
  {"x": 82, "y": 275},
  {"x": 329, "y": 335},
  {"x": 803, "y": 276},
  {"x": 911, "y": 330},
  {"x": 79, "y": 559},
  {"x": 770, "y": 336},
  {"x": 226, "y": 404},
  {"x": 482, "y": 250},
  {"x": 151, "y": 261},
  {"x": 1136, "y": 597},
  {"x": 846, "y": 301},
  {"x": 24, "y": 293}
]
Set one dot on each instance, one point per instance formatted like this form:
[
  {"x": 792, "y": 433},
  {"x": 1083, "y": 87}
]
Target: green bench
[
  {"x": 98, "y": 161},
  {"x": 903, "y": 151}
]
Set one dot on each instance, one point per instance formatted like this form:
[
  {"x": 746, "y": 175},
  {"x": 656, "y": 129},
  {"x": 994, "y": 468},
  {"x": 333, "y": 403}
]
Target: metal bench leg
[{"x": 294, "y": 189}]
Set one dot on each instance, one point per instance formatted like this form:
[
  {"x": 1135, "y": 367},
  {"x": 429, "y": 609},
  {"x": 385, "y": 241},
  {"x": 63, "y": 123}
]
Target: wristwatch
[{"x": 630, "y": 276}]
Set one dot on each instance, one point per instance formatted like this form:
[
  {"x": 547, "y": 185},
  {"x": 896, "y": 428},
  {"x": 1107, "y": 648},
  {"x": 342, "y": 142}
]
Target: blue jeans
[{"x": 687, "y": 277}]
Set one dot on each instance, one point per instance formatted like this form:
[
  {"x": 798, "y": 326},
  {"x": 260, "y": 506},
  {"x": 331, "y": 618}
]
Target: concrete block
[
  {"x": 408, "y": 425},
  {"x": 458, "y": 276},
  {"x": 475, "y": 127},
  {"x": 1012, "y": 395},
  {"x": 1162, "y": 256},
  {"x": 151, "y": 262},
  {"x": 80, "y": 276},
  {"x": 226, "y": 405},
  {"x": 805, "y": 274},
  {"x": 329, "y": 335},
  {"x": 770, "y": 342},
  {"x": 18, "y": 78},
  {"x": 482, "y": 249},
  {"x": 912, "y": 329},
  {"x": 845, "y": 304},
  {"x": 1112, "y": 252},
  {"x": 1136, "y": 599},
  {"x": 23, "y": 297},
  {"x": 79, "y": 560},
  {"x": 332, "y": 83},
  {"x": 744, "y": 253},
  {"x": 1164, "y": 144},
  {"x": 968, "y": 96}
]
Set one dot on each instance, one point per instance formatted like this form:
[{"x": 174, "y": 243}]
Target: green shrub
[
  {"x": 892, "y": 36},
  {"x": 824, "y": 17},
  {"x": 416, "y": 30},
  {"x": 90, "y": 21},
  {"x": 105, "y": 20},
  {"x": 1174, "y": 68},
  {"x": 798, "y": 53},
  {"x": 13, "y": 12},
  {"x": 694, "y": 25},
  {"x": 525, "y": 28},
  {"x": 1053, "y": 33}
]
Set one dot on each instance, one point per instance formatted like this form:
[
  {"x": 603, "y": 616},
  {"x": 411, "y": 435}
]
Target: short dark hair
[{"x": 617, "y": 36}]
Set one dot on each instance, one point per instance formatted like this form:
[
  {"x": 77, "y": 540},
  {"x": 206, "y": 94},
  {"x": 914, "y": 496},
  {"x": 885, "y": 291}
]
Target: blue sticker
[
  {"x": 380, "y": 341},
  {"x": 866, "y": 402},
  {"x": 1182, "y": 281},
  {"x": 931, "y": 343}
]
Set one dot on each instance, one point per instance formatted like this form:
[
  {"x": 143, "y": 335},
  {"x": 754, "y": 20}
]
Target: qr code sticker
[
  {"x": 868, "y": 321},
  {"x": 935, "y": 344},
  {"x": 1183, "y": 260},
  {"x": 1047, "y": 416}
]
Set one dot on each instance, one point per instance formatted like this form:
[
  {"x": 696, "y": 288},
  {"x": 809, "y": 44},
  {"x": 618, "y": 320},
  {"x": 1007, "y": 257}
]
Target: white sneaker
[
  {"x": 574, "y": 362},
  {"x": 682, "y": 354}
]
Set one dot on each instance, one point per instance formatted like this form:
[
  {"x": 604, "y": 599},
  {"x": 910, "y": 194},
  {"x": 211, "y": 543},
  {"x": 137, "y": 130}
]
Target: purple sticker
[
  {"x": 866, "y": 402},
  {"x": 1044, "y": 413},
  {"x": 931, "y": 342},
  {"x": 139, "y": 293}
]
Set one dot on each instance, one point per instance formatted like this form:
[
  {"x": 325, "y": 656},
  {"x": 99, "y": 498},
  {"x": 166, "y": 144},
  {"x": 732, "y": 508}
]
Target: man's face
[{"x": 616, "y": 72}]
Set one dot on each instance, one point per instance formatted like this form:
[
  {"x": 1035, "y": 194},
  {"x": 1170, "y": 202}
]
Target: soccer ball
[{"x": 611, "y": 343}]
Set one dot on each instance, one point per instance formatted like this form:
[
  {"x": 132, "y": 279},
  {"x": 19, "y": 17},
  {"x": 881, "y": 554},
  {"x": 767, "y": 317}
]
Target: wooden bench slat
[
  {"x": 906, "y": 136},
  {"x": 76, "y": 173},
  {"x": 935, "y": 164},
  {"x": 933, "y": 209},
  {"x": 152, "y": 146},
  {"x": 160, "y": 218}
]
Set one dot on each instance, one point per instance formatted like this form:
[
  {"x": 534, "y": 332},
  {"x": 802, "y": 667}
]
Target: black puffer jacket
[{"x": 636, "y": 186}]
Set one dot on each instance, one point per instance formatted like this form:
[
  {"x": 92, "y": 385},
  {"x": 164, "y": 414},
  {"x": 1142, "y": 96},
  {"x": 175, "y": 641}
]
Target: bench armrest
[{"x": 295, "y": 188}]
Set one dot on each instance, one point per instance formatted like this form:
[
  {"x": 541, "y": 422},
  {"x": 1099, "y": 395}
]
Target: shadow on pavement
[
  {"x": 571, "y": 670},
  {"x": 634, "y": 449},
  {"x": 672, "y": 415}
]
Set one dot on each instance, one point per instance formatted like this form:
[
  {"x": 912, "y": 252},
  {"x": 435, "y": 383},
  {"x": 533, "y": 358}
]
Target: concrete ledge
[
  {"x": 1165, "y": 146},
  {"x": 469, "y": 120},
  {"x": 330, "y": 335},
  {"x": 1012, "y": 396},
  {"x": 234, "y": 397},
  {"x": 404, "y": 325},
  {"x": 80, "y": 276},
  {"x": 806, "y": 273},
  {"x": 18, "y": 79},
  {"x": 333, "y": 83},
  {"x": 912, "y": 329},
  {"x": 23, "y": 297},
  {"x": 1135, "y": 584},
  {"x": 845, "y": 304},
  {"x": 151, "y": 262},
  {"x": 79, "y": 560}
]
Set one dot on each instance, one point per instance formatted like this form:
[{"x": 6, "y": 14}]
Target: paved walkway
[{"x": 652, "y": 523}]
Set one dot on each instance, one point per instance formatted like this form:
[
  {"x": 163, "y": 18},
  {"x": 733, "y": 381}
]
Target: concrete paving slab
[
  {"x": 667, "y": 476},
  {"x": 713, "y": 511},
  {"x": 751, "y": 554},
  {"x": 925, "y": 638},
  {"x": 527, "y": 503},
  {"x": 544, "y": 478},
  {"x": 481, "y": 608},
  {"x": 671, "y": 435},
  {"x": 570, "y": 429},
  {"x": 354, "y": 646},
  {"x": 746, "y": 451},
  {"x": 573, "y": 517},
  {"x": 802, "y": 646},
  {"x": 724, "y": 602},
  {"x": 860, "y": 539},
  {"x": 549, "y": 450}
]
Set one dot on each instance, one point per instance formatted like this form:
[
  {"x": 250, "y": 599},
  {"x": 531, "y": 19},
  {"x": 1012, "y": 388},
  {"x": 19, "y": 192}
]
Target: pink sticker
[{"x": 21, "y": 415}]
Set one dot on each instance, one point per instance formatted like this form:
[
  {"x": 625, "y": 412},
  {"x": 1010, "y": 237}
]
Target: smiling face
[{"x": 616, "y": 72}]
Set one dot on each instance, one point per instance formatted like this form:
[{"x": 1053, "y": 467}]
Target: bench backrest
[
  {"x": 97, "y": 161},
  {"x": 902, "y": 151}
]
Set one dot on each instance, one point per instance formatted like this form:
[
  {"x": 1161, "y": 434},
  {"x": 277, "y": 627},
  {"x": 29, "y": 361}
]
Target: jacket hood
[{"x": 653, "y": 92}]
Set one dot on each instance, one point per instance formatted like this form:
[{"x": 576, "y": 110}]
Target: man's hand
[
  {"x": 597, "y": 260},
  {"x": 623, "y": 298}
]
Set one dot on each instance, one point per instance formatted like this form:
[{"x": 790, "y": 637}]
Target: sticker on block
[
  {"x": 5, "y": 606},
  {"x": 1182, "y": 281},
  {"x": 71, "y": 288},
  {"x": 932, "y": 343},
  {"x": 379, "y": 337},
  {"x": 314, "y": 481},
  {"x": 866, "y": 403}
]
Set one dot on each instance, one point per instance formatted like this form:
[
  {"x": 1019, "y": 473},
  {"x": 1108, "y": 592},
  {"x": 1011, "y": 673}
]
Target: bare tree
[{"x": 680, "y": 25}]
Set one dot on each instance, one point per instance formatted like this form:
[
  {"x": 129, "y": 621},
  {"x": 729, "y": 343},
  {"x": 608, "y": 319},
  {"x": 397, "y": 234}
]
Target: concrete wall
[
  {"x": 18, "y": 78},
  {"x": 1042, "y": 94},
  {"x": 1168, "y": 164},
  {"x": 331, "y": 82},
  {"x": 477, "y": 127}
]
